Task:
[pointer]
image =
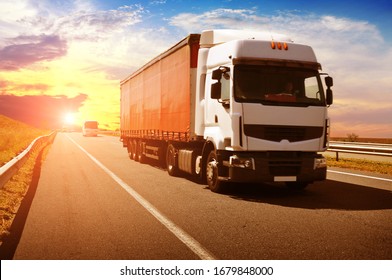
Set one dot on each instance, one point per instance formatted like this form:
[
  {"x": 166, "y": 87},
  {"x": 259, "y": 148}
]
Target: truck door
[{"x": 217, "y": 107}]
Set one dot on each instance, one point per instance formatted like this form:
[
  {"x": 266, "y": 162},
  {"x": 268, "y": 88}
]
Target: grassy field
[{"x": 15, "y": 137}]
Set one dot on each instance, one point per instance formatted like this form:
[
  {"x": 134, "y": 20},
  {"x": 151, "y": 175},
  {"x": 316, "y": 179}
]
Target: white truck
[{"x": 230, "y": 106}]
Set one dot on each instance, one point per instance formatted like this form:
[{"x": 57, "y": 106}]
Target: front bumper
[{"x": 272, "y": 166}]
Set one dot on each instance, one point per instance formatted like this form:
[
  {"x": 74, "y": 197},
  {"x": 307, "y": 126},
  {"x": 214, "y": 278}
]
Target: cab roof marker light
[
  {"x": 273, "y": 45},
  {"x": 285, "y": 46},
  {"x": 279, "y": 45}
]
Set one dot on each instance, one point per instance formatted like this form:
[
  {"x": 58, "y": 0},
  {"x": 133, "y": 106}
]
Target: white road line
[
  {"x": 188, "y": 240},
  {"x": 359, "y": 175}
]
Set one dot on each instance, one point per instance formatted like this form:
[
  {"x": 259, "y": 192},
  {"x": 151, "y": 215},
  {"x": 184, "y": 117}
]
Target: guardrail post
[{"x": 337, "y": 156}]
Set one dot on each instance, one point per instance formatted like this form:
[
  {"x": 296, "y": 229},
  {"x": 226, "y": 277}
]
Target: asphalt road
[{"x": 93, "y": 202}]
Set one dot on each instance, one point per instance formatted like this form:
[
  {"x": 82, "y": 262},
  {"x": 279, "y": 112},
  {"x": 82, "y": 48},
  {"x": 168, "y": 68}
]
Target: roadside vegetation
[
  {"x": 380, "y": 167},
  {"x": 352, "y": 137},
  {"x": 12, "y": 194},
  {"x": 14, "y": 138},
  {"x": 361, "y": 165}
]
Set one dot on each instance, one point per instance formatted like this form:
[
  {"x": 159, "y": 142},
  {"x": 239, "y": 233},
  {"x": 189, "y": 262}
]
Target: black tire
[
  {"x": 171, "y": 160},
  {"x": 212, "y": 174},
  {"x": 134, "y": 149},
  {"x": 140, "y": 156},
  {"x": 129, "y": 149}
]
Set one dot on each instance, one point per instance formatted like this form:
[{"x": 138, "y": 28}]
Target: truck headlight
[
  {"x": 320, "y": 163},
  {"x": 247, "y": 163}
]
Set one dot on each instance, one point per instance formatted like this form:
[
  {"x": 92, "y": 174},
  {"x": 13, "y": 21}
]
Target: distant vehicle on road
[
  {"x": 67, "y": 128},
  {"x": 90, "y": 128}
]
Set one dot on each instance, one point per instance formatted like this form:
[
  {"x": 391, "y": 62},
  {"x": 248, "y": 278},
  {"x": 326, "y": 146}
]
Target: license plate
[{"x": 285, "y": 178}]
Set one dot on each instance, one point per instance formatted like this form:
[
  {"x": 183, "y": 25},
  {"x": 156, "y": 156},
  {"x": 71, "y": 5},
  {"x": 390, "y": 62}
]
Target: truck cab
[{"x": 264, "y": 107}]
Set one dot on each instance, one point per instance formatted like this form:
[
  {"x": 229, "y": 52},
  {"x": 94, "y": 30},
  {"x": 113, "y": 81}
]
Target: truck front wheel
[{"x": 212, "y": 173}]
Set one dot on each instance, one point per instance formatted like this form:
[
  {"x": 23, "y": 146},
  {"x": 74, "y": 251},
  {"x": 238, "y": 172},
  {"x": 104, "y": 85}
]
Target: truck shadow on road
[{"x": 322, "y": 195}]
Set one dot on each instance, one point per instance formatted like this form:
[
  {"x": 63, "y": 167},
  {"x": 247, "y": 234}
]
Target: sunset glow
[
  {"x": 70, "y": 56},
  {"x": 69, "y": 118}
]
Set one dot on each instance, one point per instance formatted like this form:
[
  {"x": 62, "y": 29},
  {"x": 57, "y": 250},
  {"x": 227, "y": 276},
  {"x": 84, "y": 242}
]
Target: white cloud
[
  {"x": 76, "y": 23},
  {"x": 11, "y": 13},
  {"x": 96, "y": 39},
  {"x": 220, "y": 18},
  {"x": 158, "y": 2}
]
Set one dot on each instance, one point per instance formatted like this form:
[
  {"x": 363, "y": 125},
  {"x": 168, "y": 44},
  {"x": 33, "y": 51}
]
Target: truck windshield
[{"x": 272, "y": 85}]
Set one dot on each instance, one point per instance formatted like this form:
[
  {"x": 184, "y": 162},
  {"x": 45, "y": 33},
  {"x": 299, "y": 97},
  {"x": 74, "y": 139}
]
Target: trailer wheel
[
  {"x": 135, "y": 150},
  {"x": 140, "y": 156},
  {"x": 129, "y": 149},
  {"x": 171, "y": 160},
  {"x": 212, "y": 173}
]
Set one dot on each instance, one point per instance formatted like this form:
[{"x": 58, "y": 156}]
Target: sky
[{"x": 67, "y": 57}]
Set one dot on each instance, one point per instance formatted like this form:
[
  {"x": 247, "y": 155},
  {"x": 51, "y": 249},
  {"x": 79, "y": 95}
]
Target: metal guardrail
[
  {"x": 360, "y": 148},
  {"x": 10, "y": 168}
]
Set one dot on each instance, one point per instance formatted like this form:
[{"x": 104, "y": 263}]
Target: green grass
[
  {"x": 15, "y": 137},
  {"x": 361, "y": 165}
]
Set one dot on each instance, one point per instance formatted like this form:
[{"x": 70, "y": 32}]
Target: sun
[{"x": 69, "y": 118}]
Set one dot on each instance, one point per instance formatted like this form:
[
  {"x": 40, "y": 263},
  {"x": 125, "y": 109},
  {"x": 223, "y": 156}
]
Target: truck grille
[{"x": 278, "y": 133}]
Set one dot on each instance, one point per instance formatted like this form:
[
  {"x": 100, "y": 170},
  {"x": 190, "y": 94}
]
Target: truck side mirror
[
  {"x": 329, "y": 81},
  {"x": 329, "y": 96},
  {"x": 216, "y": 90},
  {"x": 217, "y": 74}
]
